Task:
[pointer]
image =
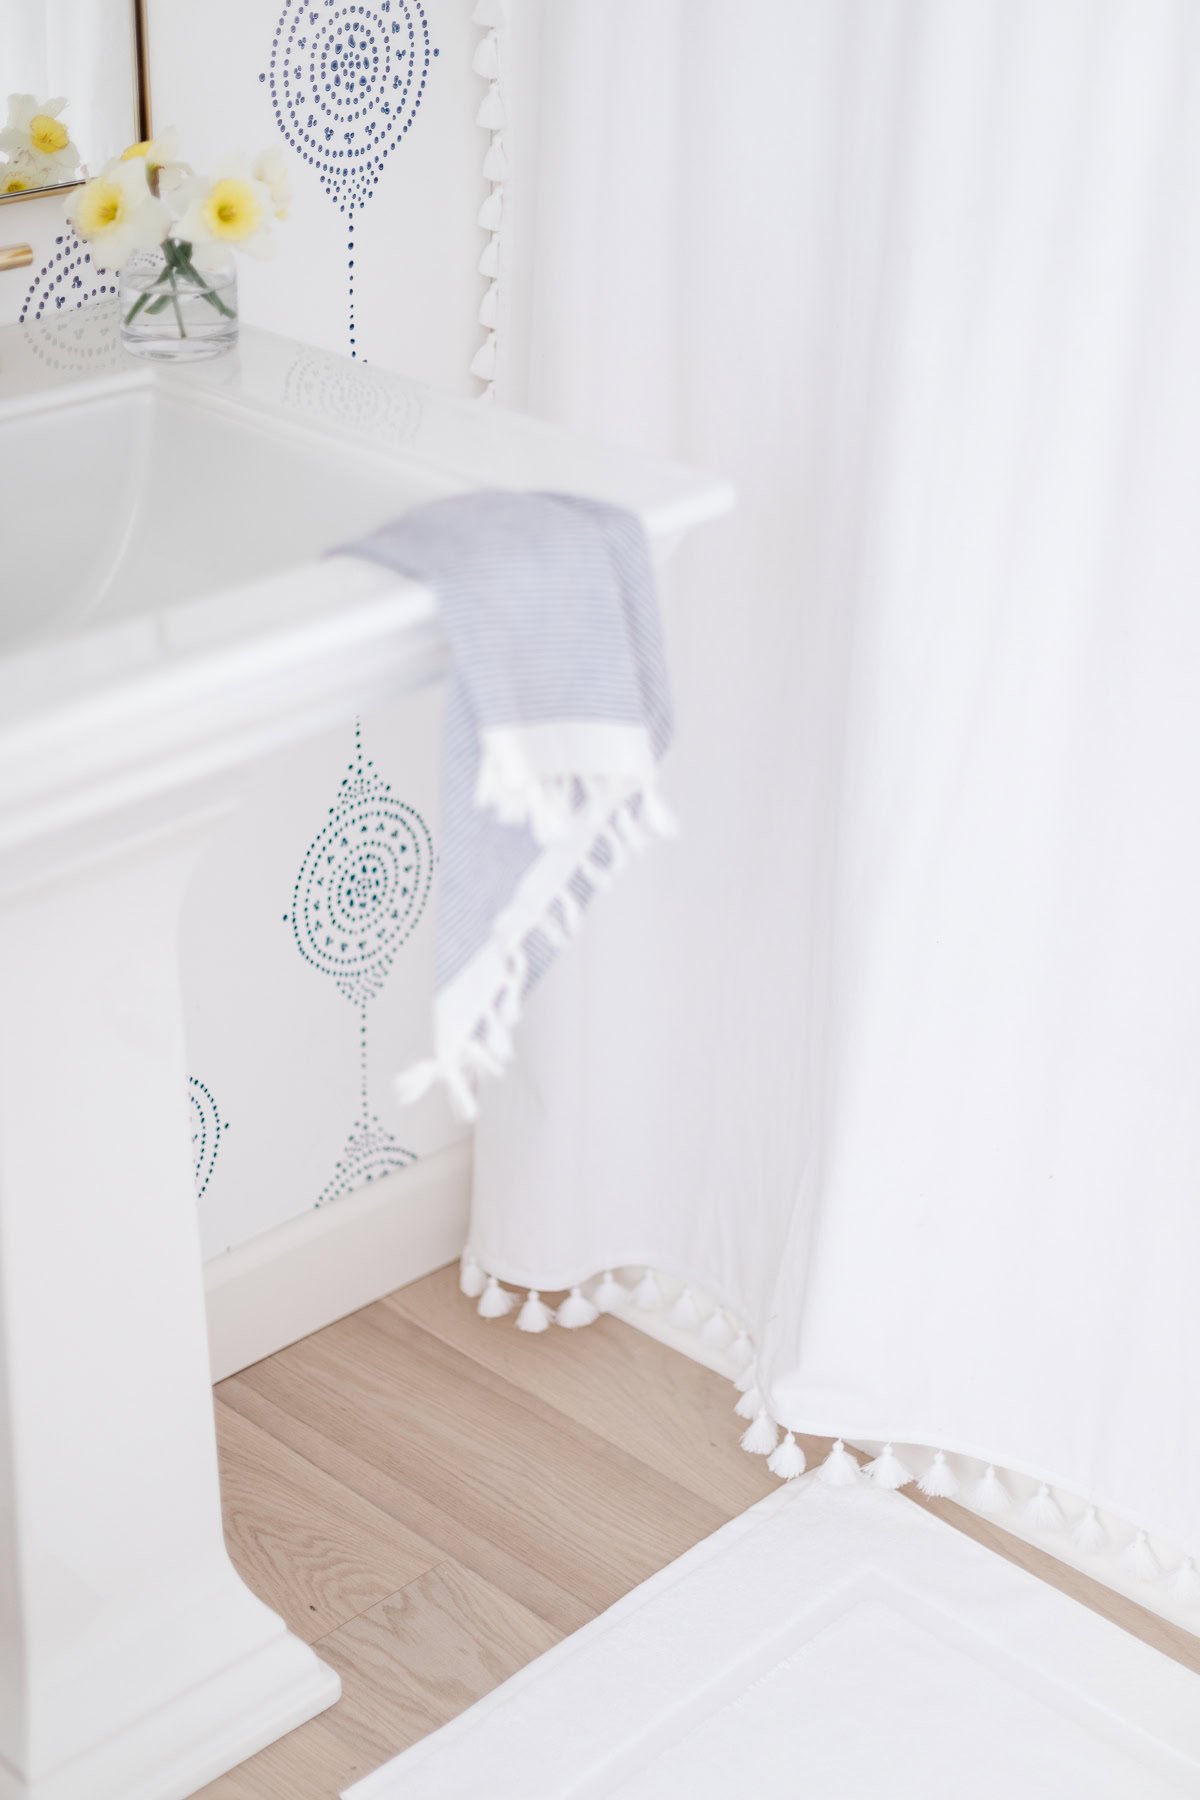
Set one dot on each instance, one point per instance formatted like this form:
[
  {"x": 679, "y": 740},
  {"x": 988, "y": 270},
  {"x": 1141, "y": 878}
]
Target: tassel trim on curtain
[
  {"x": 1043, "y": 1512},
  {"x": 492, "y": 117}
]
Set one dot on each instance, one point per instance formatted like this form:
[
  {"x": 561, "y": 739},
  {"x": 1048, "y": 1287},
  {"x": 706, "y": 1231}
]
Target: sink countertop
[{"x": 167, "y": 578}]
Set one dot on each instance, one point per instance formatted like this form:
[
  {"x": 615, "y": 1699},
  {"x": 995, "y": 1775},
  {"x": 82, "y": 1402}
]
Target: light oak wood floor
[{"x": 432, "y": 1501}]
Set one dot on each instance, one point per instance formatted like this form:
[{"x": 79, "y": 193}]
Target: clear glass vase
[{"x": 175, "y": 310}]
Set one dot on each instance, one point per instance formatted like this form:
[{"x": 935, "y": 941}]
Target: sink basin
[
  {"x": 166, "y": 535},
  {"x": 177, "y": 482},
  {"x": 169, "y": 497},
  {"x": 169, "y": 614}
]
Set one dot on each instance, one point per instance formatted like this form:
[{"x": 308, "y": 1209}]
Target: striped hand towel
[{"x": 557, "y": 714}]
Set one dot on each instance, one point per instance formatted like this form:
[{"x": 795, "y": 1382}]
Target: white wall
[{"x": 277, "y": 1051}]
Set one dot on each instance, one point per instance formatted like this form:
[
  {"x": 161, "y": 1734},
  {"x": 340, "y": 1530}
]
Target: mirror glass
[{"x": 69, "y": 90}]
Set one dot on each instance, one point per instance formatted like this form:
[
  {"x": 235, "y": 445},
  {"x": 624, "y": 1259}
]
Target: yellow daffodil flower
[
  {"x": 21, "y": 176},
  {"x": 47, "y": 135},
  {"x": 34, "y": 129},
  {"x": 117, "y": 214},
  {"x": 234, "y": 212},
  {"x": 165, "y": 173}
]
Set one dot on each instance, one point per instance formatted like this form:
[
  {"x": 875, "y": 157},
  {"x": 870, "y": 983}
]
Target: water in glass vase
[{"x": 177, "y": 309}]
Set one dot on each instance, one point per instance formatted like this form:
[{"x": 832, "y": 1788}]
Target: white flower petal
[{"x": 21, "y": 108}]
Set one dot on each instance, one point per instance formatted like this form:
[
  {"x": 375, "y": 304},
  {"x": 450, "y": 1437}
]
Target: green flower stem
[
  {"x": 188, "y": 269},
  {"x": 137, "y": 306},
  {"x": 176, "y": 305},
  {"x": 164, "y": 290},
  {"x": 171, "y": 252}
]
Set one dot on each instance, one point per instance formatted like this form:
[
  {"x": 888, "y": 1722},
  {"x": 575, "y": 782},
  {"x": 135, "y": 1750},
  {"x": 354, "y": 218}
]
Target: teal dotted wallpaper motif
[
  {"x": 370, "y": 1153},
  {"x": 68, "y": 279},
  {"x": 347, "y": 78},
  {"x": 363, "y": 883},
  {"x": 208, "y": 1128},
  {"x": 362, "y": 889}
]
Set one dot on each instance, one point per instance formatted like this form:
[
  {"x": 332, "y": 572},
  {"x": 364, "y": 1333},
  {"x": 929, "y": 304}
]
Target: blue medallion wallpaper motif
[
  {"x": 346, "y": 82},
  {"x": 362, "y": 888},
  {"x": 66, "y": 280},
  {"x": 207, "y": 1129},
  {"x": 69, "y": 310}
]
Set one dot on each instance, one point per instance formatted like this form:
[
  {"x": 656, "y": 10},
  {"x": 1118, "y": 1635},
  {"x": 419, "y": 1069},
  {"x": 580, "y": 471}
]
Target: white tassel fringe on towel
[{"x": 557, "y": 716}]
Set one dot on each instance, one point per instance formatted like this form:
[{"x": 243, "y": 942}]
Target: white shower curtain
[{"x": 897, "y": 1051}]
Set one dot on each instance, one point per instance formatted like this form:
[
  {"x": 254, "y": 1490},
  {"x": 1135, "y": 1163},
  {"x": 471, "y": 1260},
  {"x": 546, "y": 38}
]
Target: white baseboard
[
  {"x": 654, "y": 1323},
  {"x": 327, "y": 1263}
]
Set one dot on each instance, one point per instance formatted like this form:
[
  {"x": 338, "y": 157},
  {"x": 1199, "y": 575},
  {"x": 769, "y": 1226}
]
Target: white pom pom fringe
[
  {"x": 839, "y": 1468},
  {"x": 495, "y": 1301},
  {"x": 747, "y": 1377},
  {"x": 489, "y": 306},
  {"x": 1139, "y": 1559},
  {"x": 483, "y": 363},
  {"x": 647, "y": 1294},
  {"x": 685, "y": 1313},
  {"x": 610, "y": 1294},
  {"x": 491, "y": 115},
  {"x": 486, "y": 60},
  {"x": 718, "y": 1332},
  {"x": 888, "y": 1471},
  {"x": 1088, "y": 1534},
  {"x": 939, "y": 1480},
  {"x": 490, "y": 12},
  {"x": 491, "y": 213},
  {"x": 495, "y": 163},
  {"x": 471, "y": 1278},
  {"x": 576, "y": 1310},
  {"x": 787, "y": 1460},
  {"x": 750, "y": 1404},
  {"x": 741, "y": 1351},
  {"x": 989, "y": 1495},
  {"x": 761, "y": 1437},
  {"x": 1185, "y": 1583},
  {"x": 1042, "y": 1510},
  {"x": 535, "y": 1315},
  {"x": 489, "y": 262}
]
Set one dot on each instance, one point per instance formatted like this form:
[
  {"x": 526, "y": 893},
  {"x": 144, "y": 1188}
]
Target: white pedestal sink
[{"x": 164, "y": 623}]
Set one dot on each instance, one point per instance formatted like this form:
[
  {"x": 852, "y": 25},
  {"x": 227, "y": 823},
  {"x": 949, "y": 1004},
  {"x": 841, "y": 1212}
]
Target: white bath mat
[{"x": 833, "y": 1642}]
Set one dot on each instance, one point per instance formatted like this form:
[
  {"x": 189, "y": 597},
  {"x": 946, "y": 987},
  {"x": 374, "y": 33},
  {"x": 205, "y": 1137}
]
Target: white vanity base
[
  {"x": 180, "y": 626},
  {"x": 205, "y": 1732},
  {"x": 137, "y": 1664}
]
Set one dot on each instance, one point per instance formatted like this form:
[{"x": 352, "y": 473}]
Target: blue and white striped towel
[{"x": 557, "y": 714}]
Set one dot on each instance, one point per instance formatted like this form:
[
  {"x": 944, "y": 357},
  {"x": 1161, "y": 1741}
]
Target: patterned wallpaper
[
  {"x": 347, "y": 86},
  {"x": 346, "y": 83},
  {"x": 360, "y": 893},
  {"x": 307, "y": 943},
  {"x": 66, "y": 280},
  {"x": 308, "y": 973}
]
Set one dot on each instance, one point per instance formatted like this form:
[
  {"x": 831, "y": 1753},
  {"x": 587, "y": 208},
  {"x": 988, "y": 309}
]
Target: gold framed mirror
[{"x": 74, "y": 90}]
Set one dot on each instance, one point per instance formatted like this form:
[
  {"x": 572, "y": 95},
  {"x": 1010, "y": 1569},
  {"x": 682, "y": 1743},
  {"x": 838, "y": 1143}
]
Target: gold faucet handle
[{"x": 15, "y": 256}]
